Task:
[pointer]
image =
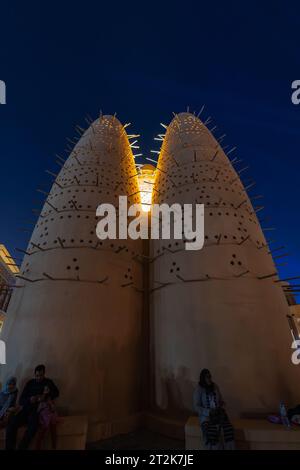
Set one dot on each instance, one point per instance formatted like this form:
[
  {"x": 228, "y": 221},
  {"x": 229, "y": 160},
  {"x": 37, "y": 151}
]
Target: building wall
[
  {"x": 8, "y": 271},
  {"x": 8, "y": 267},
  {"x": 294, "y": 316},
  {"x": 2, "y": 318},
  {"x": 220, "y": 307}
]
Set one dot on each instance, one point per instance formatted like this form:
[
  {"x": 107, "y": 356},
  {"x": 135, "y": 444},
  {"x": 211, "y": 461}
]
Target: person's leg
[
  {"x": 213, "y": 436},
  {"x": 229, "y": 445},
  {"x": 53, "y": 435},
  {"x": 204, "y": 427},
  {"x": 228, "y": 433},
  {"x": 41, "y": 433},
  {"x": 3, "y": 422},
  {"x": 12, "y": 429},
  {"x": 32, "y": 427}
]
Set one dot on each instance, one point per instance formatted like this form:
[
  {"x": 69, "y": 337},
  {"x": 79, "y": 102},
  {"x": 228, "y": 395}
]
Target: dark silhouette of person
[
  {"x": 30, "y": 399},
  {"x": 210, "y": 406}
]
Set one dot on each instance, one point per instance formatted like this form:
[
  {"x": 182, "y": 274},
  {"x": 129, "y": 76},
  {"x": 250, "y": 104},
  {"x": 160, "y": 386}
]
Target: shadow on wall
[
  {"x": 171, "y": 390},
  {"x": 115, "y": 370}
]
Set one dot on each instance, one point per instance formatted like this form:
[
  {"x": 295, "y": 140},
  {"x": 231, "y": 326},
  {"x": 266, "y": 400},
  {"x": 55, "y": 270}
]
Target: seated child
[{"x": 48, "y": 419}]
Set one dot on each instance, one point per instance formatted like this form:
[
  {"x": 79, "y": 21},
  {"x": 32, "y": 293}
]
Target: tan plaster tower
[
  {"x": 220, "y": 307},
  {"x": 79, "y": 311},
  {"x": 114, "y": 320}
]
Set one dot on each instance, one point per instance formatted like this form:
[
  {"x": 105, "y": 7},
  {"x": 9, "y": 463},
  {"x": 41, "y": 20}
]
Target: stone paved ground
[{"x": 138, "y": 440}]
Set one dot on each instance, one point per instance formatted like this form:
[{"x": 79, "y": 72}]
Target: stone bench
[
  {"x": 249, "y": 434},
  {"x": 71, "y": 434}
]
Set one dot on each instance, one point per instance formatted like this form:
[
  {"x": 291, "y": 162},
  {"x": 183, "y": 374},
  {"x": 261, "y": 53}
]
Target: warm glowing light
[{"x": 146, "y": 181}]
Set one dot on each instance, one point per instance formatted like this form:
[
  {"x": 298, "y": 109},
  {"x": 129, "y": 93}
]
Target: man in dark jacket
[{"x": 33, "y": 393}]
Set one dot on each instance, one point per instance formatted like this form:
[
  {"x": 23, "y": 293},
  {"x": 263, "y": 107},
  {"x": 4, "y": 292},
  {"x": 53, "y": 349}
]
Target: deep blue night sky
[{"x": 62, "y": 60}]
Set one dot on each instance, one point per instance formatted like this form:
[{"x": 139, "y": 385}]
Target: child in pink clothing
[{"x": 48, "y": 419}]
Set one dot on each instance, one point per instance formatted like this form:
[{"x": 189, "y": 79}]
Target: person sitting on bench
[
  {"x": 31, "y": 397},
  {"x": 209, "y": 404},
  {"x": 8, "y": 398}
]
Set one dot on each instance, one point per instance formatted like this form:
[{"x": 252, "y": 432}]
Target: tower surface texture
[
  {"x": 220, "y": 307},
  {"x": 79, "y": 307},
  {"x": 123, "y": 325}
]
